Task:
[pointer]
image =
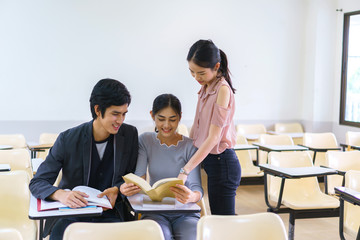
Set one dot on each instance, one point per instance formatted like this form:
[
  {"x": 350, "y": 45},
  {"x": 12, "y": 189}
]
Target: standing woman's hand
[{"x": 182, "y": 177}]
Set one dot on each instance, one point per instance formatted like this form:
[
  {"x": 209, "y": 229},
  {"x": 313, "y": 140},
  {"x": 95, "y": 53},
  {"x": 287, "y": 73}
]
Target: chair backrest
[
  {"x": 135, "y": 230},
  {"x": 18, "y": 159},
  {"x": 10, "y": 234},
  {"x": 275, "y": 139},
  {"x": 202, "y": 205},
  {"x": 183, "y": 130},
  {"x": 352, "y": 212},
  {"x": 48, "y": 138},
  {"x": 352, "y": 138},
  {"x": 294, "y": 188},
  {"x": 250, "y": 129},
  {"x": 343, "y": 161},
  {"x": 14, "y": 203},
  {"x": 320, "y": 140},
  {"x": 288, "y": 127},
  {"x": 252, "y": 227},
  {"x": 272, "y": 140},
  {"x": 15, "y": 140}
]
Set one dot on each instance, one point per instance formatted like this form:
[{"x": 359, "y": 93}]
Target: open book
[
  {"x": 93, "y": 200},
  {"x": 159, "y": 190}
]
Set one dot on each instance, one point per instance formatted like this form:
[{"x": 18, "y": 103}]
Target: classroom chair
[
  {"x": 14, "y": 203},
  {"x": 134, "y": 230},
  {"x": 301, "y": 198},
  {"x": 46, "y": 138},
  {"x": 352, "y": 138},
  {"x": 14, "y": 140},
  {"x": 320, "y": 140},
  {"x": 18, "y": 159},
  {"x": 202, "y": 205},
  {"x": 183, "y": 130},
  {"x": 248, "y": 169},
  {"x": 290, "y": 128},
  {"x": 256, "y": 226},
  {"x": 250, "y": 129},
  {"x": 10, "y": 234},
  {"x": 349, "y": 221},
  {"x": 343, "y": 161},
  {"x": 272, "y": 140}
]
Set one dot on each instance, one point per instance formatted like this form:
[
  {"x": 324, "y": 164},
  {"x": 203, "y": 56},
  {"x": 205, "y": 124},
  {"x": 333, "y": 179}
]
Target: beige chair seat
[
  {"x": 135, "y": 230},
  {"x": 343, "y": 161},
  {"x": 352, "y": 212},
  {"x": 248, "y": 169},
  {"x": 251, "y": 227},
  {"x": 14, "y": 203},
  {"x": 18, "y": 159},
  {"x": 10, "y": 234}
]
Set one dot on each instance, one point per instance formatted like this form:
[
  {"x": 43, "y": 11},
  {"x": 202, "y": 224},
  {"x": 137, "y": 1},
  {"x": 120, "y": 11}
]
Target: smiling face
[
  {"x": 202, "y": 75},
  {"x": 110, "y": 123},
  {"x": 166, "y": 121}
]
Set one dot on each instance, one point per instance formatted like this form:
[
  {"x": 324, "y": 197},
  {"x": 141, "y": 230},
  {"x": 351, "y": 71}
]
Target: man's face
[{"x": 111, "y": 121}]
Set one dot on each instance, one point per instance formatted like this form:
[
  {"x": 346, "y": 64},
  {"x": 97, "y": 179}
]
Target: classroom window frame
[{"x": 344, "y": 69}]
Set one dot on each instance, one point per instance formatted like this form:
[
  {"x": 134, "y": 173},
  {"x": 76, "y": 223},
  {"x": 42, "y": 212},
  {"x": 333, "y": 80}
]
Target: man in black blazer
[{"x": 96, "y": 154}]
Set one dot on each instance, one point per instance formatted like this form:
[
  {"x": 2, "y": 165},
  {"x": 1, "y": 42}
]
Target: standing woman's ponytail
[
  {"x": 224, "y": 69},
  {"x": 204, "y": 53}
]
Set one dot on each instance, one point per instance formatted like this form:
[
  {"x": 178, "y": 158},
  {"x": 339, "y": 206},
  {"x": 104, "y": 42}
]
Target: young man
[{"x": 96, "y": 154}]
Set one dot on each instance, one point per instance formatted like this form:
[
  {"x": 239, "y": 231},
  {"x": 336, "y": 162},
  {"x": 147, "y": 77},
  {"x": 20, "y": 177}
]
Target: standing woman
[{"x": 213, "y": 131}]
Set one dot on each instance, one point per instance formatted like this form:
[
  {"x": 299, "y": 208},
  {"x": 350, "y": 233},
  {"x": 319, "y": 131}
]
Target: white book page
[{"x": 93, "y": 199}]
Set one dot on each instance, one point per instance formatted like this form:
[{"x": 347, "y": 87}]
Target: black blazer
[{"x": 72, "y": 153}]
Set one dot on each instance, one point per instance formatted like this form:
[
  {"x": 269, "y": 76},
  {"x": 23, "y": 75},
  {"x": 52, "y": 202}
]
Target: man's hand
[
  {"x": 72, "y": 199},
  {"x": 129, "y": 189},
  {"x": 111, "y": 194}
]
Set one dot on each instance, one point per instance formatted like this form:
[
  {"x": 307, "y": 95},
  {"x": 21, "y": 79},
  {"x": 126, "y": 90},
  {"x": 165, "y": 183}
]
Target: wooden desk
[
  {"x": 54, "y": 214},
  {"x": 315, "y": 150},
  {"x": 136, "y": 203},
  {"x": 351, "y": 196},
  {"x": 38, "y": 148},
  {"x": 240, "y": 147},
  {"x": 6, "y": 147}
]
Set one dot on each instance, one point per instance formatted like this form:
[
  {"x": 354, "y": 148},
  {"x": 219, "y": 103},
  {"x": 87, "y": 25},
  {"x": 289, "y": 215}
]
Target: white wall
[{"x": 53, "y": 52}]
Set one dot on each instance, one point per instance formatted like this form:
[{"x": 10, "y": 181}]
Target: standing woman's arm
[{"x": 212, "y": 139}]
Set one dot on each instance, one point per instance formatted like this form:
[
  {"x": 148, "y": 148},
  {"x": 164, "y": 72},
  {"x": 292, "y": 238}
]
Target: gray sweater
[{"x": 165, "y": 161}]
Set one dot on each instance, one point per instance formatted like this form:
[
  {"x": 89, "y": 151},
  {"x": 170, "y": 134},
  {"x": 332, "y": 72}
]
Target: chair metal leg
[{"x": 291, "y": 225}]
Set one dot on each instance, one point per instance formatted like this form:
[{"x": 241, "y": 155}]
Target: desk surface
[
  {"x": 136, "y": 202},
  {"x": 351, "y": 146},
  {"x": 279, "y": 148},
  {"x": 348, "y": 194},
  {"x": 291, "y": 134},
  {"x": 245, "y": 147},
  {"x": 6, "y": 147},
  {"x": 40, "y": 146},
  {"x": 252, "y": 137},
  {"x": 321, "y": 149},
  {"x": 35, "y": 214},
  {"x": 297, "y": 172}
]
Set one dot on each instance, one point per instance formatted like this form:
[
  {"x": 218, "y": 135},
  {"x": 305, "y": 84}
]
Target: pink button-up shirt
[{"x": 209, "y": 112}]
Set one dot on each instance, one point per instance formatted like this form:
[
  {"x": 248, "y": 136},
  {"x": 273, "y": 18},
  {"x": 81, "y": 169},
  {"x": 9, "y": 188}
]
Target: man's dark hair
[{"x": 108, "y": 92}]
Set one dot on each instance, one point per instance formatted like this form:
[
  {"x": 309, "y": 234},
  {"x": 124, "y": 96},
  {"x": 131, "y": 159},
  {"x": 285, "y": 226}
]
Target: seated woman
[{"x": 164, "y": 153}]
